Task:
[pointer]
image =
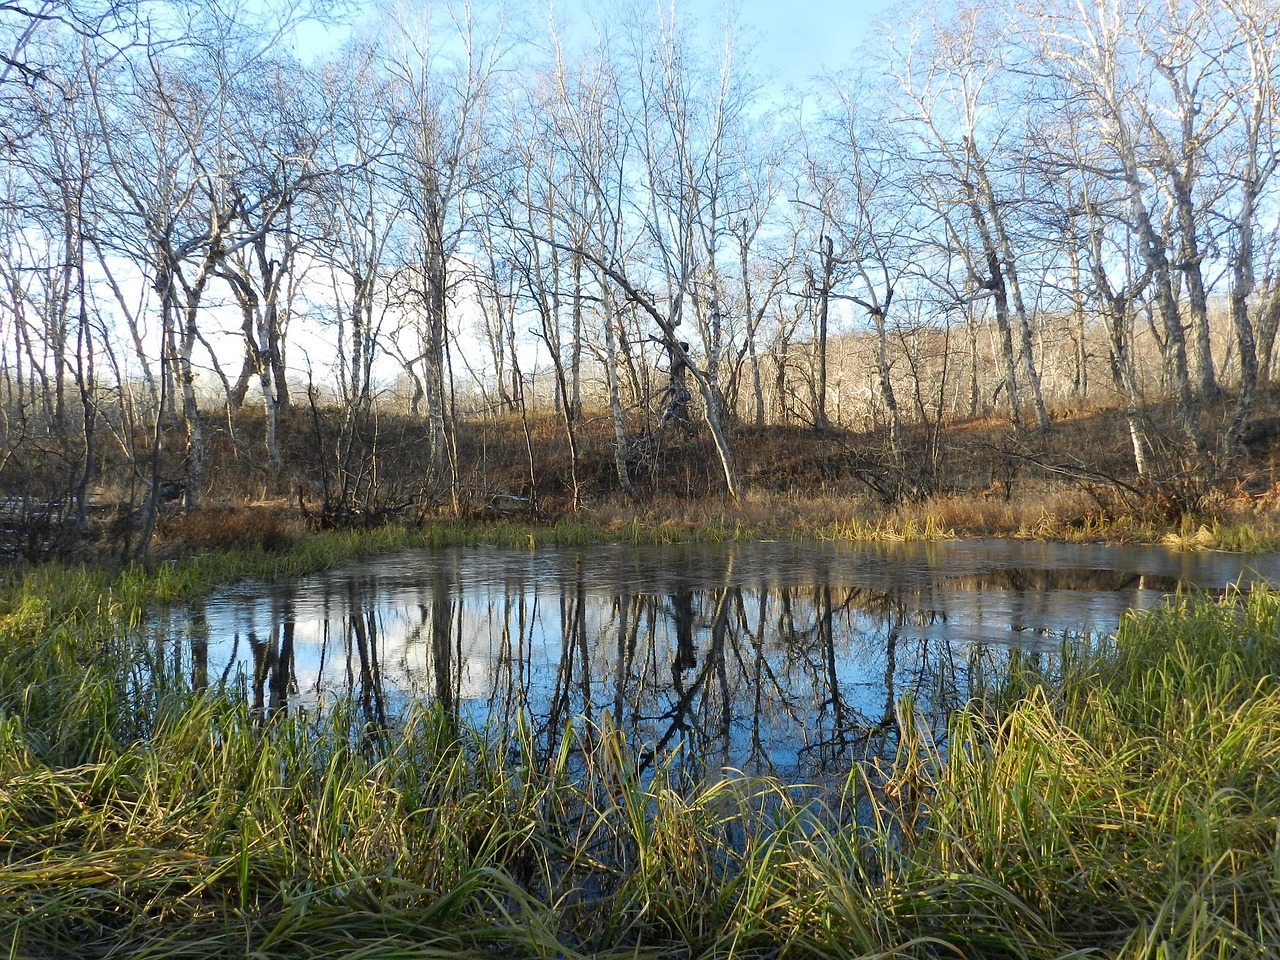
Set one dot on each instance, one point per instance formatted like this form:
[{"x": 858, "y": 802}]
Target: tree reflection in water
[{"x": 717, "y": 663}]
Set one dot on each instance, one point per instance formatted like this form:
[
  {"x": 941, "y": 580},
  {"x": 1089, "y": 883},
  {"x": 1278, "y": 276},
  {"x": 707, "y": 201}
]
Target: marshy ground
[{"x": 1118, "y": 800}]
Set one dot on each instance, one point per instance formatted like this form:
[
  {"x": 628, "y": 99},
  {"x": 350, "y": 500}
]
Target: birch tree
[
  {"x": 877, "y": 237},
  {"x": 1090, "y": 53},
  {"x": 952, "y": 80},
  {"x": 1249, "y": 62},
  {"x": 594, "y": 130},
  {"x": 442, "y": 69}
]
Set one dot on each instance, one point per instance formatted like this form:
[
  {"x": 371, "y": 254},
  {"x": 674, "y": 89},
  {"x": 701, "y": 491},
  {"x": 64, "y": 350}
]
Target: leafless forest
[{"x": 222, "y": 250}]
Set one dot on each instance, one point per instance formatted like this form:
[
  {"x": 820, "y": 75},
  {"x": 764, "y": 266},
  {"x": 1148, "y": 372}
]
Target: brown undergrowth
[{"x": 971, "y": 478}]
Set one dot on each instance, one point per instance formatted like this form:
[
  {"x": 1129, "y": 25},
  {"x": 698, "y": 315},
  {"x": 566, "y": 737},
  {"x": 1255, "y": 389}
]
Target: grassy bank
[
  {"x": 278, "y": 532},
  {"x": 1124, "y": 806}
]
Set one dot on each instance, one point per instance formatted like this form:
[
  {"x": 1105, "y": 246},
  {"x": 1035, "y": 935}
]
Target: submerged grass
[{"x": 1123, "y": 803}]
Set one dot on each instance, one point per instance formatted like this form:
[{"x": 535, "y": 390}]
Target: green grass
[
  {"x": 901, "y": 530},
  {"x": 1221, "y": 535},
  {"x": 1121, "y": 803}
]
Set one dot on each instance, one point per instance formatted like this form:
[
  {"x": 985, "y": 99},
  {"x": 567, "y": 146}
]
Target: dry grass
[
  {"x": 1046, "y": 512},
  {"x": 760, "y": 510},
  {"x": 271, "y": 527},
  {"x": 1043, "y": 511}
]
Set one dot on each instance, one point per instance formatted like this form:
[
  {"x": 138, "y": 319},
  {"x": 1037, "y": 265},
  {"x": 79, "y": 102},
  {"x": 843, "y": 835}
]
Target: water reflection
[{"x": 781, "y": 658}]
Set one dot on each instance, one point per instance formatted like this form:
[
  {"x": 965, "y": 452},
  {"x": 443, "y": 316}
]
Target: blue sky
[
  {"x": 801, "y": 38},
  {"x": 795, "y": 40}
]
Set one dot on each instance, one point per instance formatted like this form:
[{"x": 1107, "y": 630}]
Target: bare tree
[
  {"x": 877, "y": 234},
  {"x": 592, "y": 130},
  {"x": 354, "y": 224},
  {"x": 765, "y": 259},
  {"x": 440, "y": 84},
  {"x": 277, "y": 127},
  {"x": 48, "y": 439},
  {"x": 954, "y": 82},
  {"x": 1090, "y": 53},
  {"x": 1250, "y": 61},
  {"x": 681, "y": 134}
]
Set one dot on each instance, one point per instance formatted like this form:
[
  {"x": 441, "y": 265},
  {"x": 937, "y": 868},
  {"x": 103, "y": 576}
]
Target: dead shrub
[{"x": 269, "y": 527}]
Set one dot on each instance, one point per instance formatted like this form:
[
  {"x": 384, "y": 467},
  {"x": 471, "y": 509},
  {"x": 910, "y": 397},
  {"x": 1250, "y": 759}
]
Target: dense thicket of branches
[{"x": 1022, "y": 204}]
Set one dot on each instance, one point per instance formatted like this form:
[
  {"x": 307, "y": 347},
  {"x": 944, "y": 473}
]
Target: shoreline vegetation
[
  {"x": 518, "y": 476},
  {"x": 518, "y": 479},
  {"x": 1118, "y": 800},
  {"x": 275, "y": 530}
]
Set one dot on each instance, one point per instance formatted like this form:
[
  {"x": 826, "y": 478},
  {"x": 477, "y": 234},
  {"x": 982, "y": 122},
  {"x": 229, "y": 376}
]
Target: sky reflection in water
[{"x": 784, "y": 658}]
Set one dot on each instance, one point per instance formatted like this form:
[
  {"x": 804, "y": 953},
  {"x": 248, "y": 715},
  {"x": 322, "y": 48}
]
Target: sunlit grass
[
  {"x": 891, "y": 529},
  {"x": 1230, "y": 536},
  {"x": 1120, "y": 801}
]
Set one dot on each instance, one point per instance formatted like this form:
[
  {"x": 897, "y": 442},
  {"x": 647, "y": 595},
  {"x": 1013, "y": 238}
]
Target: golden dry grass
[{"x": 271, "y": 527}]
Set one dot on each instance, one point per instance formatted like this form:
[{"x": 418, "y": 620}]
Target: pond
[{"x": 783, "y": 658}]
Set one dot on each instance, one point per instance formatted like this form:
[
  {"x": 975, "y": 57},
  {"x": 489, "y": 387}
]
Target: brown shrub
[{"x": 271, "y": 527}]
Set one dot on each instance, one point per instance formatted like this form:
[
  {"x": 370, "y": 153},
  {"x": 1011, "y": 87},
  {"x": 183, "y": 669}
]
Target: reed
[{"x": 1117, "y": 801}]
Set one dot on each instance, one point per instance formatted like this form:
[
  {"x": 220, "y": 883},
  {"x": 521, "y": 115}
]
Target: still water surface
[{"x": 784, "y": 658}]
